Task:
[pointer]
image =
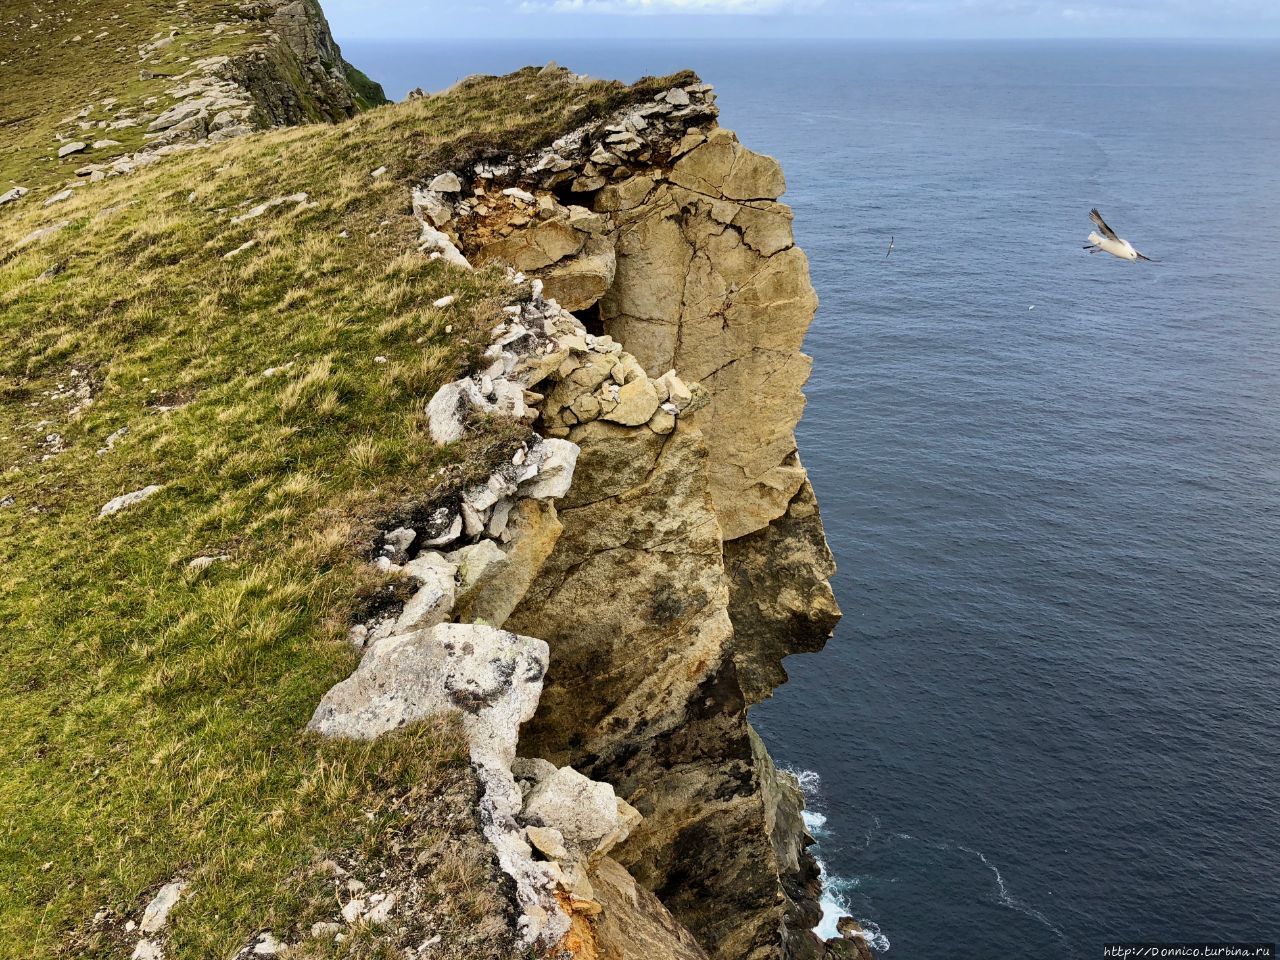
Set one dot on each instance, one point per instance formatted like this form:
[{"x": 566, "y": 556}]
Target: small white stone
[
  {"x": 353, "y": 910},
  {"x": 446, "y": 183},
  {"x": 125, "y": 501},
  {"x": 157, "y": 912},
  {"x": 204, "y": 563},
  {"x": 381, "y": 912},
  {"x": 445, "y": 302},
  {"x": 379, "y": 172},
  {"x": 267, "y": 946}
]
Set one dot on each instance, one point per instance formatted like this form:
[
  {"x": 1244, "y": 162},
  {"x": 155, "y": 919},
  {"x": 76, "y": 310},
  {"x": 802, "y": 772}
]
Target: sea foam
[{"x": 834, "y": 902}]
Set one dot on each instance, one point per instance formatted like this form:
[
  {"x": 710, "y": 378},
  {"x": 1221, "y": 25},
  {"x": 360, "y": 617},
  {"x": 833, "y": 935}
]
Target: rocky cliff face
[
  {"x": 299, "y": 74},
  {"x": 691, "y": 557},
  {"x": 601, "y": 608}
]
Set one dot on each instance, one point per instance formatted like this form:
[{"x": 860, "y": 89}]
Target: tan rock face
[
  {"x": 633, "y": 924},
  {"x": 642, "y": 690},
  {"x": 640, "y": 526},
  {"x": 709, "y": 283},
  {"x": 780, "y": 600},
  {"x": 691, "y": 558}
]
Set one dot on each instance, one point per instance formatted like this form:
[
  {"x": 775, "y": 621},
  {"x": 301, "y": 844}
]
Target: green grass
[{"x": 151, "y": 717}]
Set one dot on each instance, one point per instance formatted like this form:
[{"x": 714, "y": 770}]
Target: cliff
[{"x": 463, "y": 431}]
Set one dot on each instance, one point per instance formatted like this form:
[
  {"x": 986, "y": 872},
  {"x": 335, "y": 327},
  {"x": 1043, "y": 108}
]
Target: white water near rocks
[{"x": 834, "y": 903}]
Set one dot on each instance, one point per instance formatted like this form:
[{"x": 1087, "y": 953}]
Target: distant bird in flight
[
  {"x": 886, "y": 256},
  {"x": 1108, "y": 242}
]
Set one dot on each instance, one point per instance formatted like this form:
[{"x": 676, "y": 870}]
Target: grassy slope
[
  {"x": 48, "y": 76},
  {"x": 151, "y": 717}
]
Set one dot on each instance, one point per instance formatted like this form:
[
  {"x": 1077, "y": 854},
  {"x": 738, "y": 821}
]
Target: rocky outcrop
[
  {"x": 670, "y": 562},
  {"x": 691, "y": 557},
  {"x": 710, "y": 283},
  {"x": 472, "y": 556},
  {"x": 780, "y": 600},
  {"x": 299, "y": 74}
]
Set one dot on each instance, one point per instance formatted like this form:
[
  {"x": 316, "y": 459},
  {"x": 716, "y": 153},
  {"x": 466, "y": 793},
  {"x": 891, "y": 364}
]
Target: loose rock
[{"x": 128, "y": 500}]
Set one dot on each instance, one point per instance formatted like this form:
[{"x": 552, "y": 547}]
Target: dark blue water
[{"x": 1049, "y": 718}]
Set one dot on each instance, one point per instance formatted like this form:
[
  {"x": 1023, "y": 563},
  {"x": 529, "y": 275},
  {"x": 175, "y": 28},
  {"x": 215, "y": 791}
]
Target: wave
[
  {"x": 834, "y": 901},
  {"x": 1003, "y": 897},
  {"x": 1007, "y": 901}
]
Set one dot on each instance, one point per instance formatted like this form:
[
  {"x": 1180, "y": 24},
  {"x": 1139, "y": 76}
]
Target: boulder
[
  {"x": 446, "y": 413},
  {"x": 495, "y": 582},
  {"x": 589, "y": 818},
  {"x": 476, "y": 562},
  {"x": 578, "y": 282},
  {"x": 67, "y": 149},
  {"x": 490, "y": 676},
  {"x": 446, "y": 183},
  {"x": 555, "y": 461},
  {"x": 548, "y": 841},
  {"x": 435, "y": 242},
  {"x": 433, "y": 601},
  {"x": 637, "y": 403}
]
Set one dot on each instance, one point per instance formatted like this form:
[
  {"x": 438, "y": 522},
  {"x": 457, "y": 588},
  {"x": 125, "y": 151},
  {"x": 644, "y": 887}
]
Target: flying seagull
[
  {"x": 886, "y": 256},
  {"x": 1108, "y": 242}
]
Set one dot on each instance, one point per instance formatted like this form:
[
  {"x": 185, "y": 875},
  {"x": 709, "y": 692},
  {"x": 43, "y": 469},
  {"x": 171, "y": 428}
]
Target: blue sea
[{"x": 1051, "y": 716}]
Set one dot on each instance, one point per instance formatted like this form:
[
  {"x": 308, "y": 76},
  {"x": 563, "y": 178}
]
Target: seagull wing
[{"x": 1101, "y": 224}]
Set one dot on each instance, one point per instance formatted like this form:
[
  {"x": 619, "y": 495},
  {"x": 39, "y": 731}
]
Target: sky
[{"x": 515, "y": 19}]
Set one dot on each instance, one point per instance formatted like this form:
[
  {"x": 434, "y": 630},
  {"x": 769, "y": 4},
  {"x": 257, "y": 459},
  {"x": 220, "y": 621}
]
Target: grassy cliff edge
[{"x": 269, "y": 373}]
